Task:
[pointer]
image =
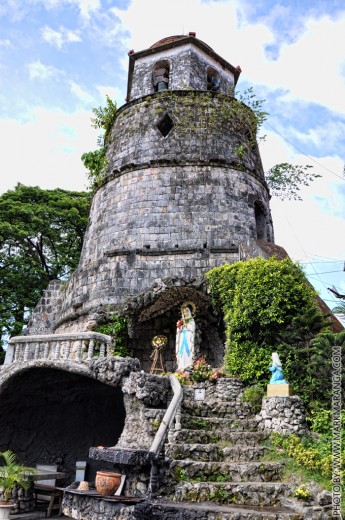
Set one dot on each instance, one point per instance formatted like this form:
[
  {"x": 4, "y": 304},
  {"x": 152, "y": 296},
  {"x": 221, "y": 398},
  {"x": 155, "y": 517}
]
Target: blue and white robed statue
[
  {"x": 277, "y": 371},
  {"x": 185, "y": 337}
]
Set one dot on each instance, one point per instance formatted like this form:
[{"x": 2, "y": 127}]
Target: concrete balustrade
[{"x": 81, "y": 346}]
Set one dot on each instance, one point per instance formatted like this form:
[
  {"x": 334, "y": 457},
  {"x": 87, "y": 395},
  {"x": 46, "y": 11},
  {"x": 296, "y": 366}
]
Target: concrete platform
[{"x": 279, "y": 390}]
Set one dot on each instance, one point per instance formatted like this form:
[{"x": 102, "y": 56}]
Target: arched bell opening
[
  {"x": 212, "y": 80},
  {"x": 51, "y": 416},
  {"x": 160, "y": 76},
  {"x": 160, "y": 318}
]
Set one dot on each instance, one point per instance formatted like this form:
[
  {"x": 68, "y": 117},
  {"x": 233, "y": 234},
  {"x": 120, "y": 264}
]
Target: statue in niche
[
  {"x": 276, "y": 368},
  {"x": 185, "y": 336}
]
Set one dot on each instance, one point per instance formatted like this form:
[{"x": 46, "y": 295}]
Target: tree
[
  {"x": 285, "y": 180},
  {"x": 41, "y": 236},
  {"x": 267, "y": 306},
  {"x": 321, "y": 360},
  {"x": 96, "y": 161}
]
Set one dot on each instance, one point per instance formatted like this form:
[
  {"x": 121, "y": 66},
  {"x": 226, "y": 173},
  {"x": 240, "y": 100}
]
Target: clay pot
[{"x": 107, "y": 482}]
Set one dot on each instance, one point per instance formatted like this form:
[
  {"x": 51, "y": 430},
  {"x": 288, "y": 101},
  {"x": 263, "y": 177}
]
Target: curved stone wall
[
  {"x": 172, "y": 205},
  {"x": 207, "y": 128},
  {"x": 162, "y": 222}
]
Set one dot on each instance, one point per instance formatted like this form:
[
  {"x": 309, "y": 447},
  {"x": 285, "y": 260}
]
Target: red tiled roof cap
[{"x": 168, "y": 39}]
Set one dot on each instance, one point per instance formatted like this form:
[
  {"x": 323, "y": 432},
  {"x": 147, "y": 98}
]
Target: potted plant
[{"x": 11, "y": 475}]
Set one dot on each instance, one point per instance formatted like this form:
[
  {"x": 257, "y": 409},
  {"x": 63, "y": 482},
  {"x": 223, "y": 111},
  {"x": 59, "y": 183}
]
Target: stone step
[
  {"x": 200, "y": 471},
  {"x": 165, "y": 509},
  {"x": 193, "y": 422},
  {"x": 224, "y": 438},
  {"x": 214, "y": 452},
  {"x": 240, "y": 493},
  {"x": 215, "y": 408},
  {"x": 224, "y": 389}
]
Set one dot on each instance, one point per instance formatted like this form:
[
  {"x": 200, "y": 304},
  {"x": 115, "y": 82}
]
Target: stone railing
[
  {"x": 170, "y": 422},
  {"x": 80, "y": 346}
]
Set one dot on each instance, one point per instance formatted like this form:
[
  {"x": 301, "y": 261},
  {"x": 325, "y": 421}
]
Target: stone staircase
[{"x": 214, "y": 466}]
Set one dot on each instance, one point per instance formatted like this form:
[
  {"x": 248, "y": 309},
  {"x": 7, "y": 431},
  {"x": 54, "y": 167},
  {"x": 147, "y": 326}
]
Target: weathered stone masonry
[{"x": 176, "y": 202}]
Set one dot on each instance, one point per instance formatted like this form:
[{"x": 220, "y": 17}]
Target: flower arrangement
[
  {"x": 216, "y": 374},
  {"x": 199, "y": 372},
  {"x": 159, "y": 342},
  {"x": 302, "y": 493},
  {"x": 183, "y": 377}
]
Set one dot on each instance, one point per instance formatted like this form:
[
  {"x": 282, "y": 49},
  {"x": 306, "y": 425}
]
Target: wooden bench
[{"x": 54, "y": 492}]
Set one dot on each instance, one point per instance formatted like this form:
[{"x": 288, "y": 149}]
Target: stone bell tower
[{"x": 184, "y": 187}]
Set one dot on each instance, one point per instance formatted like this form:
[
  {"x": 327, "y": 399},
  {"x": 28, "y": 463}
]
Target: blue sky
[{"x": 59, "y": 59}]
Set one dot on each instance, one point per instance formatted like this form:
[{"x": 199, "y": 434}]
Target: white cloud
[
  {"x": 330, "y": 132},
  {"x": 86, "y": 7},
  {"x": 61, "y": 37},
  {"x": 41, "y": 71},
  {"x": 5, "y": 43},
  {"x": 113, "y": 92},
  {"x": 310, "y": 68},
  {"x": 19, "y": 9},
  {"x": 82, "y": 94},
  {"x": 52, "y": 142}
]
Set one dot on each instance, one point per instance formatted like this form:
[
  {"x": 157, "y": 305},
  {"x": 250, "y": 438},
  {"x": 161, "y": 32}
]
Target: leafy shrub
[
  {"x": 96, "y": 161},
  {"x": 268, "y": 306},
  {"x": 253, "y": 395},
  {"x": 302, "y": 493},
  {"x": 313, "y": 454},
  {"x": 116, "y": 327}
]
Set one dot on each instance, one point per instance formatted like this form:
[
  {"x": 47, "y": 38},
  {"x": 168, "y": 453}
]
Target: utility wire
[
  {"x": 301, "y": 246},
  {"x": 305, "y": 154},
  {"x": 323, "y": 262},
  {"x": 320, "y": 256},
  {"x": 329, "y": 272}
]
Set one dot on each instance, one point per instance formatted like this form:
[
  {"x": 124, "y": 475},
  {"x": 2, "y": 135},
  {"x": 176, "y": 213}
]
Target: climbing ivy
[
  {"x": 268, "y": 306},
  {"x": 116, "y": 327}
]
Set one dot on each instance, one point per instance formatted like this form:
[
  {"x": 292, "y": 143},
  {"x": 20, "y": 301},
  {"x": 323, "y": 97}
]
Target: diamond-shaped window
[{"x": 165, "y": 125}]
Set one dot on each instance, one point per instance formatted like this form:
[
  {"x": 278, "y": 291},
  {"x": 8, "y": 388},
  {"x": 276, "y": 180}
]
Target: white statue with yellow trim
[{"x": 185, "y": 336}]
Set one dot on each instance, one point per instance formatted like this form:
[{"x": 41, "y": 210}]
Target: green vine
[{"x": 116, "y": 327}]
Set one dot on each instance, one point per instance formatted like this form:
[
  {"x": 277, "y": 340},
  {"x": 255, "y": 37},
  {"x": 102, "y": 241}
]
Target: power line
[
  {"x": 320, "y": 256},
  {"x": 323, "y": 262},
  {"x": 301, "y": 246},
  {"x": 329, "y": 272},
  {"x": 305, "y": 154}
]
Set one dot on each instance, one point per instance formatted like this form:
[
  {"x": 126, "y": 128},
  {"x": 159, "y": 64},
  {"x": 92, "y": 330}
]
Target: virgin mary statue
[
  {"x": 185, "y": 333},
  {"x": 276, "y": 368}
]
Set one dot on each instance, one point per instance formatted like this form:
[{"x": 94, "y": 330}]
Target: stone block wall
[
  {"x": 171, "y": 207},
  {"x": 284, "y": 415},
  {"x": 188, "y": 69},
  {"x": 46, "y": 310},
  {"x": 205, "y": 130},
  {"x": 194, "y": 225}
]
